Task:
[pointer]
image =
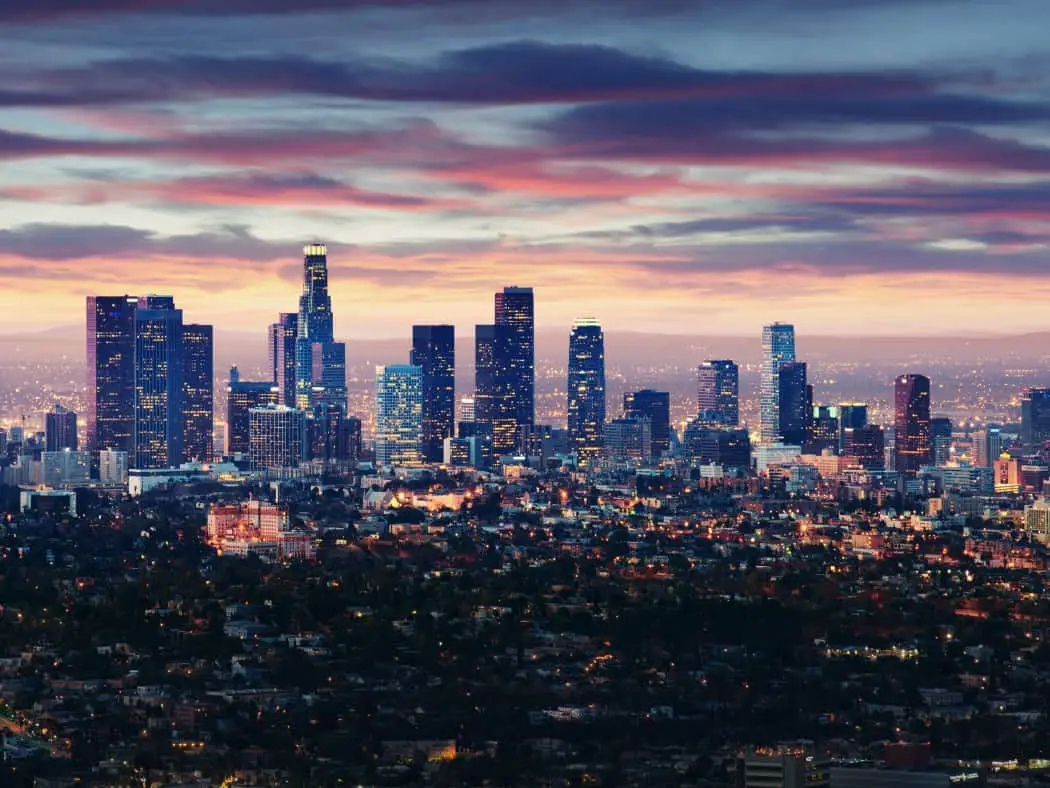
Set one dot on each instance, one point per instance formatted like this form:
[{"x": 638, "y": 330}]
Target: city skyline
[{"x": 889, "y": 181}]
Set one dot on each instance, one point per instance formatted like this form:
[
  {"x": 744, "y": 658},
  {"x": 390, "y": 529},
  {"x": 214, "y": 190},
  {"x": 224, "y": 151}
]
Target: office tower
[
  {"x": 655, "y": 406},
  {"x": 785, "y": 766},
  {"x": 912, "y": 423},
  {"x": 586, "y": 395},
  {"x": 113, "y": 467},
  {"x": 941, "y": 439},
  {"x": 794, "y": 403},
  {"x": 110, "y": 411},
  {"x": 466, "y": 410},
  {"x": 278, "y": 438},
  {"x": 493, "y": 404},
  {"x": 516, "y": 358},
  {"x": 352, "y": 438},
  {"x": 283, "y": 336},
  {"x": 707, "y": 444},
  {"x": 332, "y": 434},
  {"x": 1035, "y": 417},
  {"x": 399, "y": 414},
  {"x": 852, "y": 415},
  {"x": 434, "y": 351},
  {"x": 198, "y": 396},
  {"x": 778, "y": 347},
  {"x": 480, "y": 435},
  {"x": 987, "y": 446},
  {"x": 320, "y": 361},
  {"x": 718, "y": 392},
  {"x": 158, "y": 383},
  {"x": 65, "y": 468},
  {"x": 824, "y": 429},
  {"x": 868, "y": 445},
  {"x": 628, "y": 440},
  {"x": 61, "y": 429},
  {"x": 242, "y": 397}
]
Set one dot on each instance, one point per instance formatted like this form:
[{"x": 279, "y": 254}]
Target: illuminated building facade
[
  {"x": 198, "y": 395},
  {"x": 656, "y": 407},
  {"x": 852, "y": 415},
  {"x": 399, "y": 414},
  {"x": 434, "y": 351},
  {"x": 61, "y": 429},
  {"x": 257, "y": 527},
  {"x": 586, "y": 389},
  {"x": 241, "y": 397},
  {"x": 516, "y": 356},
  {"x": 868, "y": 445},
  {"x": 912, "y": 423},
  {"x": 718, "y": 392},
  {"x": 278, "y": 438},
  {"x": 794, "y": 404},
  {"x": 320, "y": 361},
  {"x": 283, "y": 337},
  {"x": 628, "y": 440},
  {"x": 941, "y": 439},
  {"x": 110, "y": 405},
  {"x": 493, "y": 404},
  {"x": 778, "y": 347},
  {"x": 1035, "y": 417},
  {"x": 158, "y": 383}
]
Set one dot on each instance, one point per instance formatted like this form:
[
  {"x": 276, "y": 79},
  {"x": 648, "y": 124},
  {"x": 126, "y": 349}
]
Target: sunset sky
[{"x": 865, "y": 167}]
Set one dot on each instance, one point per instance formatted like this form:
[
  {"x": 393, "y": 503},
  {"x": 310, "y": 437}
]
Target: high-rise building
[
  {"x": 434, "y": 351},
  {"x": 868, "y": 445},
  {"x": 987, "y": 445},
  {"x": 852, "y": 415},
  {"x": 586, "y": 394},
  {"x": 320, "y": 361},
  {"x": 778, "y": 347},
  {"x": 113, "y": 467},
  {"x": 158, "y": 383},
  {"x": 912, "y": 423},
  {"x": 707, "y": 444},
  {"x": 794, "y": 404},
  {"x": 466, "y": 410},
  {"x": 941, "y": 439},
  {"x": 516, "y": 358},
  {"x": 198, "y": 395},
  {"x": 399, "y": 414},
  {"x": 242, "y": 396},
  {"x": 278, "y": 438},
  {"x": 628, "y": 440},
  {"x": 718, "y": 392},
  {"x": 824, "y": 429},
  {"x": 493, "y": 405},
  {"x": 110, "y": 411},
  {"x": 655, "y": 406},
  {"x": 1035, "y": 417},
  {"x": 65, "y": 468},
  {"x": 283, "y": 337},
  {"x": 61, "y": 429}
]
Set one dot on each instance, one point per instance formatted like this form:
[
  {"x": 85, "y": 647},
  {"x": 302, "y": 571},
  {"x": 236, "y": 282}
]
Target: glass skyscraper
[
  {"x": 60, "y": 429},
  {"x": 1035, "y": 417},
  {"x": 493, "y": 405},
  {"x": 793, "y": 403},
  {"x": 586, "y": 396},
  {"x": 278, "y": 438},
  {"x": 320, "y": 361},
  {"x": 158, "y": 383},
  {"x": 718, "y": 392},
  {"x": 656, "y": 407},
  {"x": 242, "y": 397},
  {"x": 434, "y": 351},
  {"x": 516, "y": 359},
  {"x": 911, "y": 397},
  {"x": 778, "y": 347},
  {"x": 110, "y": 411},
  {"x": 283, "y": 337},
  {"x": 399, "y": 414},
  {"x": 941, "y": 439},
  {"x": 198, "y": 396}
]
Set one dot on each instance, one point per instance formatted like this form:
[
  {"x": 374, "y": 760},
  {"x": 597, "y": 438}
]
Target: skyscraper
[
  {"x": 912, "y": 423},
  {"x": 320, "y": 361},
  {"x": 718, "y": 392},
  {"x": 778, "y": 347},
  {"x": 61, "y": 429},
  {"x": 868, "y": 445},
  {"x": 277, "y": 437},
  {"x": 516, "y": 359},
  {"x": 434, "y": 351},
  {"x": 852, "y": 415},
  {"x": 586, "y": 405},
  {"x": 242, "y": 397},
  {"x": 110, "y": 411},
  {"x": 655, "y": 406},
  {"x": 794, "y": 405},
  {"x": 158, "y": 383},
  {"x": 283, "y": 337},
  {"x": 941, "y": 439},
  {"x": 1035, "y": 416},
  {"x": 493, "y": 406},
  {"x": 399, "y": 414},
  {"x": 198, "y": 396}
]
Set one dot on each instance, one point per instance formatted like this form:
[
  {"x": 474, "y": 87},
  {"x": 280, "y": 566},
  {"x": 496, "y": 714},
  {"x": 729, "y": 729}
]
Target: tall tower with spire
[{"x": 320, "y": 361}]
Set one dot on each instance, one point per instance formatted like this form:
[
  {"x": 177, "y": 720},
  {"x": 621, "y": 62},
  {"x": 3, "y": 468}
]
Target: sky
[{"x": 874, "y": 167}]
